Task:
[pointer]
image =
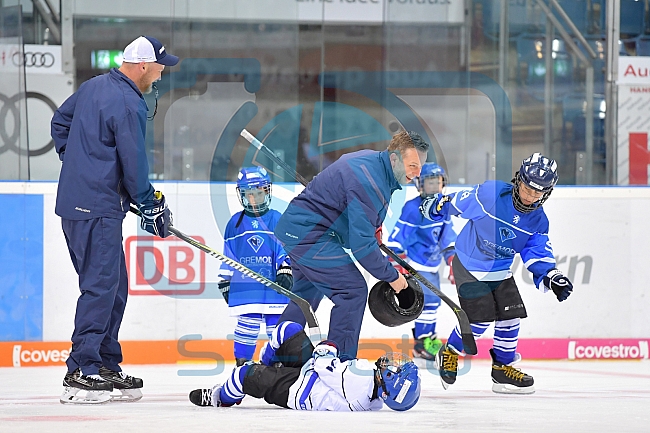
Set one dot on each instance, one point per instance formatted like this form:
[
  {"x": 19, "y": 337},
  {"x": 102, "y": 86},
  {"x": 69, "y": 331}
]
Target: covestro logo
[
  {"x": 32, "y": 357},
  {"x": 622, "y": 349}
]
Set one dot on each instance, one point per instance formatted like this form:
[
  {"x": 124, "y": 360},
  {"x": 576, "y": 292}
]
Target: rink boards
[{"x": 175, "y": 312}]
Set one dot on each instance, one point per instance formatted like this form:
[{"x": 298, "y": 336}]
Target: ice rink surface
[{"x": 571, "y": 396}]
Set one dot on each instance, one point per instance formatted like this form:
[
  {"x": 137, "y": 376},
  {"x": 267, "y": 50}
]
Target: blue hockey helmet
[
  {"x": 538, "y": 173},
  {"x": 255, "y": 182},
  {"x": 430, "y": 169},
  {"x": 399, "y": 381}
]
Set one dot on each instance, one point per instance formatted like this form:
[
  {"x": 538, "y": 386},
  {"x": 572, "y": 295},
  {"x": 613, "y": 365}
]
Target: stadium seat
[{"x": 643, "y": 45}]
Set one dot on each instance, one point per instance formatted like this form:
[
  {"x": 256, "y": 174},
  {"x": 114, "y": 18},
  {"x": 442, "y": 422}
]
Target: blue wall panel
[{"x": 21, "y": 267}]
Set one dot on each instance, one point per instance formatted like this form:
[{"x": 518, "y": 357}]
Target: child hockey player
[
  {"x": 249, "y": 239},
  {"x": 504, "y": 219},
  {"x": 295, "y": 375},
  {"x": 424, "y": 243}
]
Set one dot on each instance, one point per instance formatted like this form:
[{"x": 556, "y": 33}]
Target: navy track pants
[{"x": 96, "y": 250}]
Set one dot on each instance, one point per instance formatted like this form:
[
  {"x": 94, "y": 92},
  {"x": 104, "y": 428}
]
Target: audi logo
[
  {"x": 33, "y": 60},
  {"x": 10, "y": 113}
]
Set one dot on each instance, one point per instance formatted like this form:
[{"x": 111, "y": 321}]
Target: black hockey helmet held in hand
[{"x": 391, "y": 309}]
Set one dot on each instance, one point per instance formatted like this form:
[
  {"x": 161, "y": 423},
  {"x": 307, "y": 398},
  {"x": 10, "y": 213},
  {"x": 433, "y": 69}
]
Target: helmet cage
[
  {"x": 538, "y": 173},
  {"x": 257, "y": 208},
  {"x": 430, "y": 170},
  {"x": 399, "y": 381},
  {"x": 254, "y": 180}
]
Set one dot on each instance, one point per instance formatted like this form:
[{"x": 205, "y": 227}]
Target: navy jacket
[
  {"x": 349, "y": 199},
  {"x": 99, "y": 133}
]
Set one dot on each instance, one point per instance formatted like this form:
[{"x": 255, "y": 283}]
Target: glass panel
[{"x": 14, "y": 148}]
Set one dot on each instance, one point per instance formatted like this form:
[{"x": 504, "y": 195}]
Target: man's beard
[
  {"x": 400, "y": 173},
  {"x": 148, "y": 89}
]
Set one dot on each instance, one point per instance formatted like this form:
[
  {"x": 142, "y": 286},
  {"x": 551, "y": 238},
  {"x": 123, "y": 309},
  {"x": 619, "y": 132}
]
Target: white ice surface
[{"x": 571, "y": 396}]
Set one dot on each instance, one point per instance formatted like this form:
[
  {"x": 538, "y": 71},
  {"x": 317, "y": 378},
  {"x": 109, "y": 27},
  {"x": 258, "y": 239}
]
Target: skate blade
[
  {"x": 445, "y": 385},
  {"x": 127, "y": 395},
  {"x": 501, "y": 388},
  {"x": 425, "y": 356},
  {"x": 71, "y": 396}
]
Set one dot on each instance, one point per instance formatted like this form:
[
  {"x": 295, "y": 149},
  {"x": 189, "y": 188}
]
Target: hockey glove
[
  {"x": 224, "y": 288},
  {"x": 326, "y": 348},
  {"x": 560, "y": 284},
  {"x": 451, "y": 278},
  {"x": 432, "y": 207},
  {"x": 155, "y": 215},
  {"x": 284, "y": 277}
]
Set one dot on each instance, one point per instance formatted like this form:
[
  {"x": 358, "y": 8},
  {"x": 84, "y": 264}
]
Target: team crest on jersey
[
  {"x": 255, "y": 224},
  {"x": 516, "y": 219},
  {"x": 255, "y": 242},
  {"x": 506, "y": 234},
  {"x": 464, "y": 195}
]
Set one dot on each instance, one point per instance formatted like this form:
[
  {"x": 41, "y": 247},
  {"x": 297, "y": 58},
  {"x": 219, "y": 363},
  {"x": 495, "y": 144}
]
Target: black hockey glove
[
  {"x": 560, "y": 284},
  {"x": 224, "y": 288},
  {"x": 432, "y": 206},
  {"x": 284, "y": 278},
  {"x": 155, "y": 215}
]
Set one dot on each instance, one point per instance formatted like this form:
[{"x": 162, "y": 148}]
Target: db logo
[{"x": 164, "y": 266}]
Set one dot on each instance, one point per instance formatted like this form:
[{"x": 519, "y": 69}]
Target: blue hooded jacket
[
  {"x": 348, "y": 200},
  {"x": 99, "y": 134}
]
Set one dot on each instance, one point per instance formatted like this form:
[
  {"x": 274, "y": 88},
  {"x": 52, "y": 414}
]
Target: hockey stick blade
[
  {"x": 469, "y": 344},
  {"x": 307, "y": 311}
]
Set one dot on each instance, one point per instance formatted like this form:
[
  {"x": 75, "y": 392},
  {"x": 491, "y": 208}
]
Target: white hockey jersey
[{"x": 329, "y": 384}]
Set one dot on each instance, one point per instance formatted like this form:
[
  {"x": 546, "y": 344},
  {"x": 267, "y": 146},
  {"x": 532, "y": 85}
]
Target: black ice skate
[
  {"x": 209, "y": 397},
  {"x": 128, "y": 386},
  {"x": 509, "y": 380},
  {"x": 241, "y": 361},
  {"x": 427, "y": 347},
  {"x": 447, "y": 365},
  {"x": 82, "y": 389},
  {"x": 201, "y": 397}
]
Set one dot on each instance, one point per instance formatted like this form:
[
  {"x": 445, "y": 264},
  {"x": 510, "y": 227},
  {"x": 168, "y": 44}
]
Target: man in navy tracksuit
[
  {"x": 99, "y": 133},
  {"x": 341, "y": 209}
]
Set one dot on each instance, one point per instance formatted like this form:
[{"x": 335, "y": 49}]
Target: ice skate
[
  {"x": 128, "y": 386},
  {"x": 447, "y": 364},
  {"x": 81, "y": 389},
  {"x": 208, "y": 397},
  {"x": 507, "y": 379},
  {"x": 241, "y": 361},
  {"x": 427, "y": 347},
  {"x": 202, "y": 397}
]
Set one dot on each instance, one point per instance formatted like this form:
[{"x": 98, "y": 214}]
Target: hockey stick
[
  {"x": 310, "y": 317},
  {"x": 465, "y": 329},
  {"x": 469, "y": 344}
]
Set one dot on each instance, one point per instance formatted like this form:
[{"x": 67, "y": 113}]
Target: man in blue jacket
[
  {"x": 340, "y": 211},
  {"x": 99, "y": 133}
]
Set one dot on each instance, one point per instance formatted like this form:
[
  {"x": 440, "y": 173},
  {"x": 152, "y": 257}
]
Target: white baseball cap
[{"x": 147, "y": 49}]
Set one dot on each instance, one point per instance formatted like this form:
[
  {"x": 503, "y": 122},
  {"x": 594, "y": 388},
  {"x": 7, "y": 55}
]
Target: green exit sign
[{"x": 106, "y": 59}]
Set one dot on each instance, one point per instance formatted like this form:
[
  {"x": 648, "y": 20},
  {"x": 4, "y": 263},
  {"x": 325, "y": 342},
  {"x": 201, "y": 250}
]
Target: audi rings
[
  {"x": 10, "y": 142},
  {"x": 33, "y": 60}
]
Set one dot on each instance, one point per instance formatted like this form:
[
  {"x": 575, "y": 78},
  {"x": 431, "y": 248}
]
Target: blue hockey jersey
[
  {"x": 420, "y": 238},
  {"x": 496, "y": 231},
  {"x": 254, "y": 245}
]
